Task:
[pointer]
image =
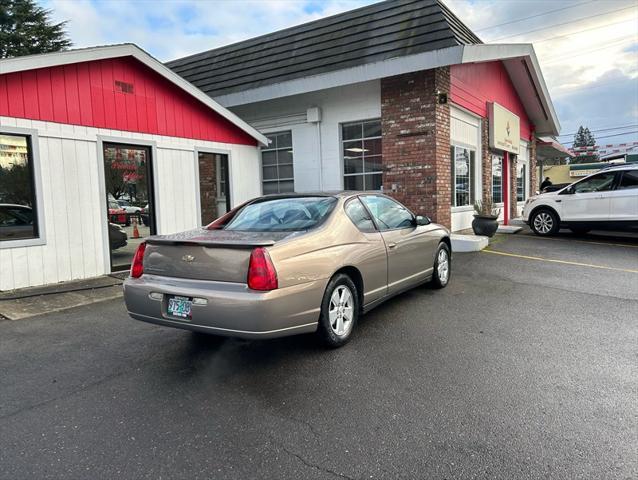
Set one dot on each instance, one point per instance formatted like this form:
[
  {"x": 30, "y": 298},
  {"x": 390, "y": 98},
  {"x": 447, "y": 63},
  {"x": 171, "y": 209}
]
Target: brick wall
[
  {"x": 207, "y": 187},
  {"x": 416, "y": 142},
  {"x": 512, "y": 172},
  {"x": 486, "y": 162},
  {"x": 533, "y": 182}
]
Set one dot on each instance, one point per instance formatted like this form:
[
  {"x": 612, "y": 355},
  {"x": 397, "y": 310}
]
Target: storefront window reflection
[
  {"x": 521, "y": 181},
  {"x": 497, "y": 179},
  {"x": 17, "y": 197},
  {"x": 463, "y": 176}
]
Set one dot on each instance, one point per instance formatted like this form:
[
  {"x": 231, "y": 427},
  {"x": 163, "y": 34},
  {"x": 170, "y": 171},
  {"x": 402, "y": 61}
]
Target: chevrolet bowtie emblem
[{"x": 188, "y": 258}]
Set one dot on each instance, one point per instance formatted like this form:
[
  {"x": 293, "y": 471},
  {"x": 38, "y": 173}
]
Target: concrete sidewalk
[{"x": 29, "y": 302}]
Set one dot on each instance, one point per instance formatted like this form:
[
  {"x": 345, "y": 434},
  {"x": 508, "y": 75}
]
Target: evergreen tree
[
  {"x": 26, "y": 29},
  {"x": 584, "y": 138}
]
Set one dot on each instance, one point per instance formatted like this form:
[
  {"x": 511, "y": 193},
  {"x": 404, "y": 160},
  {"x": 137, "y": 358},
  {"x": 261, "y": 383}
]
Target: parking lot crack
[{"x": 309, "y": 464}]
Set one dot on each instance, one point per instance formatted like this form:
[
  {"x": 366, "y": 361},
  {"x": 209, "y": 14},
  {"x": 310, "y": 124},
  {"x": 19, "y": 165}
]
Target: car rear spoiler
[{"x": 209, "y": 243}]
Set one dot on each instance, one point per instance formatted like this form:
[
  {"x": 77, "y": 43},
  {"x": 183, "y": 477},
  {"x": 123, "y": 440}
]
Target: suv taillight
[
  {"x": 137, "y": 267},
  {"x": 261, "y": 272}
]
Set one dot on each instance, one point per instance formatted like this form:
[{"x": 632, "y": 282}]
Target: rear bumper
[{"x": 230, "y": 309}]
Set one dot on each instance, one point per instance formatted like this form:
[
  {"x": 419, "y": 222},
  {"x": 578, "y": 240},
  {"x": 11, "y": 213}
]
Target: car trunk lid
[{"x": 201, "y": 254}]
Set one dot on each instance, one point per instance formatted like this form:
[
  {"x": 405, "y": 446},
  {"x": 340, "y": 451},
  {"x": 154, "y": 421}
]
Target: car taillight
[
  {"x": 261, "y": 271},
  {"x": 137, "y": 267}
]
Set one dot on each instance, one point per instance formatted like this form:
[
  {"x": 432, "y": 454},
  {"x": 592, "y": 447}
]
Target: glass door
[
  {"x": 129, "y": 197},
  {"x": 214, "y": 186}
]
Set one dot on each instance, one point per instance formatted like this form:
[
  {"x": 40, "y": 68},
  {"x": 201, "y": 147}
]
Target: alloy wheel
[
  {"x": 543, "y": 222},
  {"x": 443, "y": 266},
  {"x": 341, "y": 311}
]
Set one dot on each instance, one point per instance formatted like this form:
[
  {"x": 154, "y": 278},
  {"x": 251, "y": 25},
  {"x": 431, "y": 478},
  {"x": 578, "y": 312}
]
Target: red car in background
[{"x": 117, "y": 214}]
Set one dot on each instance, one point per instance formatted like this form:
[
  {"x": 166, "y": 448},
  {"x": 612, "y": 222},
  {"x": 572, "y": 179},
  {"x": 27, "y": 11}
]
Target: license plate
[{"x": 180, "y": 307}]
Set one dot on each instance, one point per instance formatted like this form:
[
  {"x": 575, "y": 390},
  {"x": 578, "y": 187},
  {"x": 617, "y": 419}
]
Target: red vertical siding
[
  {"x": 472, "y": 85},
  {"x": 86, "y": 94}
]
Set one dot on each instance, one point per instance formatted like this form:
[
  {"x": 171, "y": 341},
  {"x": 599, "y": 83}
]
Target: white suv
[{"x": 606, "y": 200}]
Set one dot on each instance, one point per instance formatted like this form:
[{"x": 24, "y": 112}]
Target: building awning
[{"x": 547, "y": 147}]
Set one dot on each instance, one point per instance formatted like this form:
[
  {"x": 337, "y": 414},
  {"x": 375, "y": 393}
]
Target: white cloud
[{"x": 583, "y": 45}]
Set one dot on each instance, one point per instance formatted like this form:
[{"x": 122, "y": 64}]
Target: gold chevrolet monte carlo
[{"x": 287, "y": 264}]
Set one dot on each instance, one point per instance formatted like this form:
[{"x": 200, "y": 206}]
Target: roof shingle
[{"x": 384, "y": 30}]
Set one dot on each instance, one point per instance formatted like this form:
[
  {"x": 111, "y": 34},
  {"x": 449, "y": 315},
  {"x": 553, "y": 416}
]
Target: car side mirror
[
  {"x": 421, "y": 220},
  {"x": 568, "y": 191}
]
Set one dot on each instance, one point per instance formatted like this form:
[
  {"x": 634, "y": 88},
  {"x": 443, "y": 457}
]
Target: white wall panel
[
  {"x": 315, "y": 154},
  {"x": 73, "y": 213}
]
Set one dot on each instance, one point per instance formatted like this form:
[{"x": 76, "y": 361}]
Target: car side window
[
  {"x": 359, "y": 215},
  {"x": 389, "y": 214},
  {"x": 598, "y": 183},
  {"x": 629, "y": 180}
]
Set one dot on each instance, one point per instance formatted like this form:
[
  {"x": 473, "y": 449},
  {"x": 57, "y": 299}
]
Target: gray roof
[{"x": 380, "y": 31}]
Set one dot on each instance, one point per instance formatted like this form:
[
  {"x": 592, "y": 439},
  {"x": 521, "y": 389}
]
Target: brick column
[
  {"x": 512, "y": 172},
  {"x": 208, "y": 187},
  {"x": 486, "y": 161},
  {"x": 533, "y": 180},
  {"x": 416, "y": 142}
]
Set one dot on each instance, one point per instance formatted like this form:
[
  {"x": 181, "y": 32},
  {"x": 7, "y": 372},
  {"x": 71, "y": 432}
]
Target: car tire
[
  {"x": 339, "y": 311},
  {"x": 442, "y": 267},
  {"x": 544, "y": 222}
]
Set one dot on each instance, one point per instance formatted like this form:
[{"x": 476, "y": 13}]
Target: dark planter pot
[{"x": 485, "y": 225}]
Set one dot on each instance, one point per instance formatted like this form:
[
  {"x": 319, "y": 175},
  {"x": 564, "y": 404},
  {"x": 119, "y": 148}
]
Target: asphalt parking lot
[{"x": 526, "y": 366}]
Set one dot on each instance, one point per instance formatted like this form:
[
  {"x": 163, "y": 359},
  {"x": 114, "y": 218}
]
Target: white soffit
[{"x": 519, "y": 60}]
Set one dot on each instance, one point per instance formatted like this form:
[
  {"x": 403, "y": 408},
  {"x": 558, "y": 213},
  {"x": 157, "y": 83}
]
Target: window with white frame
[
  {"x": 18, "y": 208},
  {"x": 463, "y": 177},
  {"x": 277, "y": 164},
  {"x": 361, "y": 150},
  {"x": 497, "y": 178}
]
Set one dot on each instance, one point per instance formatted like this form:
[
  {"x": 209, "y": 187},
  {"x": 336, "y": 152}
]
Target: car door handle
[{"x": 392, "y": 245}]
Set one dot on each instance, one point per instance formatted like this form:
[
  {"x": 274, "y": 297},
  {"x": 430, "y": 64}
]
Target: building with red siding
[
  {"x": 101, "y": 147},
  {"x": 399, "y": 96}
]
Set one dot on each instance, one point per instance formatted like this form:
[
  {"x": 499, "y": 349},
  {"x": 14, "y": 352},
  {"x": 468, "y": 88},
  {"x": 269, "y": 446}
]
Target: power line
[
  {"x": 602, "y": 129},
  {"x": 581, "y": 31},
  {"x": 532, "y": 16},
  {"x": 564, "y": 23},
  {"x": 579, "y": 89},
  {"x": 568, "y": 55},
  {"x": 608, "y": 136}
]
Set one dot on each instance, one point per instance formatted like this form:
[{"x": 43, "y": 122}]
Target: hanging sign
[{"x": 505, "y": 129}]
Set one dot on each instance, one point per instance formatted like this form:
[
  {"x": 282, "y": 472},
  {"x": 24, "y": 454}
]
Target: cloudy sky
[{"x": 588, "y": 49}]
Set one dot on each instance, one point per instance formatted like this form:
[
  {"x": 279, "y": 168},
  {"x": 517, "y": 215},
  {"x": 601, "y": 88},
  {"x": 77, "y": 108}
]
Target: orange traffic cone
[{"x": 136, "y": 232}]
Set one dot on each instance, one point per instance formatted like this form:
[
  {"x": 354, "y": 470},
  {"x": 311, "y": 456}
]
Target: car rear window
[{"x": 282, "y": 214}]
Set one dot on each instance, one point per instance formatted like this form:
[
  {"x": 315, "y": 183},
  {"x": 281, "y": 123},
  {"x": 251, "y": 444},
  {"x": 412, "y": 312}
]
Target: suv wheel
[{"x": 544, "y": 222}]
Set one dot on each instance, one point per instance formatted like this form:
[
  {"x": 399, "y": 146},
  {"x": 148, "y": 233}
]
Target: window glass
[
  {"x": 629, "y": 180},
  {"x": 17, "y": 196},
  {"x": 521, "y": 181},
  {"x": 463, "y": 176},
  {"x": 497, "y": 179},
  {"x": 282, "y": 214},
  {"x": 359, "y": 215},
  {"x": 598, "y": 183},
  {"x": 388, "y": 213},
  {"x": 277, "y": 164},
  {"x": 362, "y": 156}
]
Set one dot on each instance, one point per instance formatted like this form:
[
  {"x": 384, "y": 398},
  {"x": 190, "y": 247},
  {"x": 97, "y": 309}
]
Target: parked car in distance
[
  {"x": 117, "y": 214},
  {"x": 16, "y": 221},
  {"x": 287, "y": 264},
  {"x": 144, "y": 215},
  {"x": 605, "y": 200},
  {"x": 126, "y": 205},
  {"x": 117, "y": 236}
]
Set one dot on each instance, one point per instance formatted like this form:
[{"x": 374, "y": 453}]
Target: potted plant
[{"x": 486, "y": 218}]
